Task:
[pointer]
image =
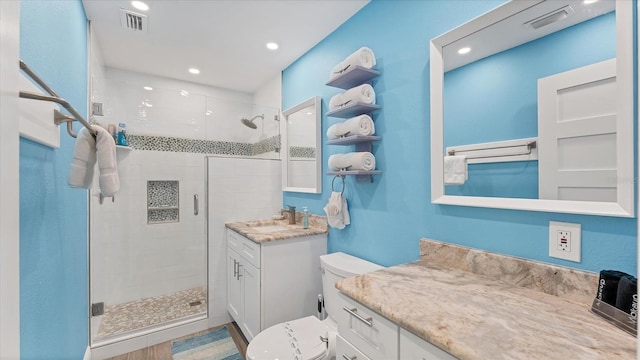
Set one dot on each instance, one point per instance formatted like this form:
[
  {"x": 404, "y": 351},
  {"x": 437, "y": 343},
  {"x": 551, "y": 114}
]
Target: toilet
[{"x": 300, "y": 339}]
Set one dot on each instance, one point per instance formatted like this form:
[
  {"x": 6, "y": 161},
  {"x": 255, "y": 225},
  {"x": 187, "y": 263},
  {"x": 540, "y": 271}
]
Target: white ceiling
[{"x": 225, "y": 39}]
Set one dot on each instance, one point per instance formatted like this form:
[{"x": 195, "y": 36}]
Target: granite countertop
[
  {"x": 476, "y": 317},
  {"x": 261, "y": 231}
]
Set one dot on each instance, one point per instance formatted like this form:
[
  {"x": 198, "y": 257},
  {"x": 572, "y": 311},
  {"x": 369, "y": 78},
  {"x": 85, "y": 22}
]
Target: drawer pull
[
  {"x": 354, "y": 312},
  {"x": 345, "y": 357}
]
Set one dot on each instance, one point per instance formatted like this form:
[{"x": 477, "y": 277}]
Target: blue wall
[
  {"x": 390, "y": 215},
  {"x": 53, "y": 217}
]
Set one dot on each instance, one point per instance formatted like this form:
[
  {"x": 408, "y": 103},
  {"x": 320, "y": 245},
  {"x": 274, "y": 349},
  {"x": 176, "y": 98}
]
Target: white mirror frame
[
  {"x": 624, "y": 206},
  {"x": 316, "y": 102}
]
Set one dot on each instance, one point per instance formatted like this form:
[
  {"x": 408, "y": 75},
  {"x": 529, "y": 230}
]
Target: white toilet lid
[{"x": 293, "y": 340}]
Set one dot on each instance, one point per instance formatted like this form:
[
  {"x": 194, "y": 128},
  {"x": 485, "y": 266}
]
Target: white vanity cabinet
[
  {"x": 368, "y": 332},
  {"x": 273, "y": 281},
  {"x": 413, "y": 347},
  {"x": 366, "y": 335}
]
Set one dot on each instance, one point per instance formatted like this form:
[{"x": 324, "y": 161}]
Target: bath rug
[{"x": 213, "y": 345}]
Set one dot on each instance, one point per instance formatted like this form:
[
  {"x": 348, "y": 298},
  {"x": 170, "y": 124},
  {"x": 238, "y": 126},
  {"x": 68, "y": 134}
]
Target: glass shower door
[{"x": 148, "y": 262}]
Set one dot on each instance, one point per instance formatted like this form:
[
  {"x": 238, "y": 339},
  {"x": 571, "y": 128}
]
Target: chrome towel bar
[{"x": 53, "y": 97}]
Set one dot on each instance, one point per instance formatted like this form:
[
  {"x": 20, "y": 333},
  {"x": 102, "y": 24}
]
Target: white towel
[
  {"x": 107, "y": 162},
  {"x": 84, "y": 159},
  {"x": 85, "y": 154},
  {"x": 363, "y": 57},
  {"x": 352, "y": 161},
  {"x": 363, "y": 93},
  {"x": 359, "y": 125},
  {"x": 337, "y": 211},
  {"x": 455, "y": 170}
]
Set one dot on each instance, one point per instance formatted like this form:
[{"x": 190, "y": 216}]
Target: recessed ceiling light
[
  {"x": 184, "y": 93},
  {"x": 587, "y": 2},
  {"x": 148, "y": 88},
  {"x": 194, "y": 71},
  {"x": 464, "y": 50},
  {"x": 272, "y": 46},
  {"x": 140, "y": 5}
]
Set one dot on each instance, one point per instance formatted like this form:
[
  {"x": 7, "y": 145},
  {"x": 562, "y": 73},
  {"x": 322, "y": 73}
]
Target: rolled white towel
[
  {"x": 363, "y": 93},
  {"x": 352, "y": 161},
  {"x": 359, "y": 125},
  {"x": 363, "y": 57}
]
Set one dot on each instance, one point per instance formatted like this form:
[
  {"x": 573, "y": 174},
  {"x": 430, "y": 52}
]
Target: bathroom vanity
[
  {"x": 273, "y": 271},
  {"x": 460, "y": 303}
]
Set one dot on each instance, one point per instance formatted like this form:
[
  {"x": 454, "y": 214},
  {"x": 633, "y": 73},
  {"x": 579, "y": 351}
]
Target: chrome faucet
[{"x": 292, "y": 213}]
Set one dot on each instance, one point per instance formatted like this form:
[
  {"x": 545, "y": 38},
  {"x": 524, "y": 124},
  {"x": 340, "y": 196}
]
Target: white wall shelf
[
  {"x": 354, "y": 139},
  {"x": 357, "y": 108},
  {"x": 355, "y": 76}
]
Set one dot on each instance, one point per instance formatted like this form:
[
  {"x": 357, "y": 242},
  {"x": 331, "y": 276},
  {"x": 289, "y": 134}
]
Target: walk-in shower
[{"x": 150, "y": 265}]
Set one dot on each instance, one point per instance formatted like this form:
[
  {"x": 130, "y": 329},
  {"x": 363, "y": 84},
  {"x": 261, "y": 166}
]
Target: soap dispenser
[{"x": 305, "y": 218}]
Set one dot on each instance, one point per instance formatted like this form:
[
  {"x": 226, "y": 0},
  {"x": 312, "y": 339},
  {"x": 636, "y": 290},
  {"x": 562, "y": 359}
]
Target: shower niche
[{"x": 163, "y": 201}]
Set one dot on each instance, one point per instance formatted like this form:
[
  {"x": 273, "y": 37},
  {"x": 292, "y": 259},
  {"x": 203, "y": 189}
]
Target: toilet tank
[{"x": 337, "y": 266}]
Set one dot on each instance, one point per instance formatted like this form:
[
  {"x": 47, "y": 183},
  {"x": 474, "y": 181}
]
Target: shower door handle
[{"x": 195, "y": 204}]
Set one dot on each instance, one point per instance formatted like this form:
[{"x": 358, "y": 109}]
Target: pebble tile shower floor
[{"x": 122, "y": 318}]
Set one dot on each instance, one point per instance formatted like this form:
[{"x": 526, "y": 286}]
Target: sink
[{"x": 266, "y": 229}]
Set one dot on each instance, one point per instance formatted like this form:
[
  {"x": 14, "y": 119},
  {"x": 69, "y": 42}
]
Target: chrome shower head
[{"x": 249, "y": 122}]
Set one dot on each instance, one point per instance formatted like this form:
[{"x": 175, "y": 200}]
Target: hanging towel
[
  {"x": 85, "y": 154},
  {"x": 363, "y": 93},
  {"x": 455, "y": 170},
  {"x": 359, "y": 125},
  {"x": 352, "y": 161},
  {"x": 337, "y": 211},
  {"x": 107, "y": 162},
  {"x": 363, "y": 57},
  {"x": 84, "y": 159}
]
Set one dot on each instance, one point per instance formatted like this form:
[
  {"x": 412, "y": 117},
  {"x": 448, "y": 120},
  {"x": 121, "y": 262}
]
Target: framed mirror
[
  {"x": 537, "y": 112},
  {"x": 301, "y": 147}
]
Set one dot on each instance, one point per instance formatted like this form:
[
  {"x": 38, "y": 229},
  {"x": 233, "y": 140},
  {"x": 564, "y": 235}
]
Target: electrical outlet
[{"x": 564, "y": 241}]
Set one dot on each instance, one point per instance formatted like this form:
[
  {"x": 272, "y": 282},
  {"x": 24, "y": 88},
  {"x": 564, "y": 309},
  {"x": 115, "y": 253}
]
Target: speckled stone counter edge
[
  {"x": 317, "y": 225},
  {"x": 561, "y": 281}
]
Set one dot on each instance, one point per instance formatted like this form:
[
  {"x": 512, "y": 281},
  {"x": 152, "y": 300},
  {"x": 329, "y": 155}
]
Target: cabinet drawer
[
  {"x": 413, "y": 347},
  {"x": 248, "y": 249},
  {"x": 346, "y": 351},
  {"x": 371, "y": 333}
]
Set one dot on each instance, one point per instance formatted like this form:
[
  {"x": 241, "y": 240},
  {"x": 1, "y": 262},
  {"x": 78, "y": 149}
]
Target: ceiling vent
[
  {"x": 551, "y": 17},
  {"x": 133, "y": 21}
]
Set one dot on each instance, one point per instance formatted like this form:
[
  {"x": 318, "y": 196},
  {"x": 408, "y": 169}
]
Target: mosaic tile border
[
  {"x": 302, "y": 152},
  {"x": 176, "y": 144}
]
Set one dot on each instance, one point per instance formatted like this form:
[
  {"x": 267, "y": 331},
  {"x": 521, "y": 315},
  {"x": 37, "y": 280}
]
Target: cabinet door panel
[
  {"x": 413, "y": 347},
  {"x": 251, "y": 309},
  {"x": 234, "y": 287}
]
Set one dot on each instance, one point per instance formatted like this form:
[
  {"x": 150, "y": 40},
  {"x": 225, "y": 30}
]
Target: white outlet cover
[{"x": 565, "y": 241}]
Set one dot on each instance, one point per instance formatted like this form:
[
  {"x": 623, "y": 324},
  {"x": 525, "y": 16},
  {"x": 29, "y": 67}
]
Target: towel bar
[
  {"x": 58, "y": 117},
  {"x": 529, "y": 145}
]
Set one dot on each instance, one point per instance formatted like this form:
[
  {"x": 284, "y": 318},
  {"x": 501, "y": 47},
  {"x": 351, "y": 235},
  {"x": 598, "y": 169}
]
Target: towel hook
[{"x": 333, "y": 181}]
